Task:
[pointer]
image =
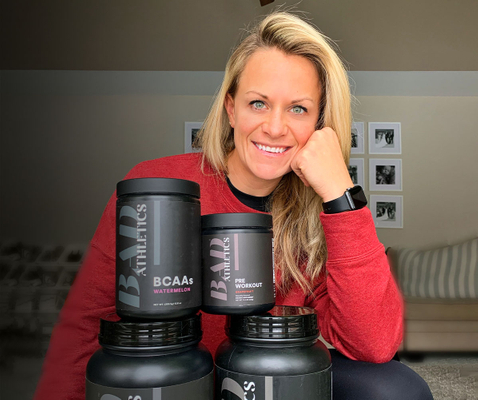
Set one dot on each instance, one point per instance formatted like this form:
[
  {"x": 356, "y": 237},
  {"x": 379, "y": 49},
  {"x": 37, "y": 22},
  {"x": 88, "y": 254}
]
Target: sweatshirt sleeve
[{"x": 359, "y": 306}]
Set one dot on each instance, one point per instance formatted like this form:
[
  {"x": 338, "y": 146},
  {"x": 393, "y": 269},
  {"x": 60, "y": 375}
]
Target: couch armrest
[{"x": 392, "y": 261}]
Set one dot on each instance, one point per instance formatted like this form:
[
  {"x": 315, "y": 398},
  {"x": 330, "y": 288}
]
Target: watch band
[{"x": 353, "y": 199}]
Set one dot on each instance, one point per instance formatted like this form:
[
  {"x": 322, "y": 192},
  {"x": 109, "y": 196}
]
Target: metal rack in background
[{"x": 34, "y": 283}]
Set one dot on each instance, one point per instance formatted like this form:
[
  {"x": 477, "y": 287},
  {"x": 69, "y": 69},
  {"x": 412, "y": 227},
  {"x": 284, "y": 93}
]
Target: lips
[{"x": 271, "y": 149}]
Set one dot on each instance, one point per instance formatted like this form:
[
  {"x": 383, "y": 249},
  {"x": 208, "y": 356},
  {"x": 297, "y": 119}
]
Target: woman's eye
[
  {"x": 257, "y": 104},
  {"x": 298, "y": 109}
]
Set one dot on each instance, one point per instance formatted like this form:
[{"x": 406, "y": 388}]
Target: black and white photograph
[
  {"x": 357, "y": 138},
  {"x": 356, "y": 171},
  {"x": 191, "y": 130},
  {"x": 384, "y": 138},
  {"x": 385, "y": 174},
  {"x": 387, "y": 211}
]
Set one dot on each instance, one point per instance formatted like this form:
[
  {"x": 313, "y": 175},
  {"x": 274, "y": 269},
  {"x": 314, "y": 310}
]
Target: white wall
[
  {"x": 440, "y": 166},
  {"x": 67, "y": 137}
]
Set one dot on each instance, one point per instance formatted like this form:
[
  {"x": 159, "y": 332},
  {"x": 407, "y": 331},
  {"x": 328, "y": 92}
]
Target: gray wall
[
  {"x": 68, "y": 137},
  {"x": 79, "y": 107},
  {"x": 196, "y": 35}
]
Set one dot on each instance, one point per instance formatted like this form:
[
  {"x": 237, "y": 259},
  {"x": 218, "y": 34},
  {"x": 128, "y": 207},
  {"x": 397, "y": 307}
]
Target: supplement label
[
  {"x": 238, "y": 269},
  {"x": 236, "y": 386},
  {"x": 158, "y": 246},
  {"x": 200, "y": 389}
]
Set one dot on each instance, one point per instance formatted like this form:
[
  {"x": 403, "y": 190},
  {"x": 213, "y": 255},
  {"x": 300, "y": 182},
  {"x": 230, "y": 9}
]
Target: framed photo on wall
[
  {"x": 387, "y": 211},
  {"x": 384, "y": 138},
  {"x": 385, "y": 174},
  {"x": 357, "y": 138},
  {"x": 191, "y": 130},
  {"x": 356, "y": 171}
]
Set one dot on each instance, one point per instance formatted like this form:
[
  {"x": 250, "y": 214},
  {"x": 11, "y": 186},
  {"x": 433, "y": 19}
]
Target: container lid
[
  {"x": 149, "y": 334},
  {"x": 236, "y": 220},
  {"x": 281, "y": 323},
  {"x": 157, "y": 186}
]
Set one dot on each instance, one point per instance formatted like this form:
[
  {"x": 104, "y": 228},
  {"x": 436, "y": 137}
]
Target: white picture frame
[
  {"x": 356, "y": 171},
  {"x": 387, "y": 211},
  {"x": 190, "y": 131},
  {"x": 357, "y": 138},
  {"x": 385, "y": 174},
  {"x": 384, "y": 138}
]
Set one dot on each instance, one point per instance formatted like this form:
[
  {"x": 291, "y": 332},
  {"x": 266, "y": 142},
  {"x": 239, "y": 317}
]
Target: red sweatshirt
[{"x": 358, "y": 304}]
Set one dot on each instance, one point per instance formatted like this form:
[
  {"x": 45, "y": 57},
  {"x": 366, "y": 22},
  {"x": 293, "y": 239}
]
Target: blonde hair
[{"x": 298, "y": 234}]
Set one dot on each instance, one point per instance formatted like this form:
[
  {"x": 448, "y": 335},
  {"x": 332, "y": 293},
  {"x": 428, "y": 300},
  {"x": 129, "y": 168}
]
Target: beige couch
[{"x": 440, "y": 287}]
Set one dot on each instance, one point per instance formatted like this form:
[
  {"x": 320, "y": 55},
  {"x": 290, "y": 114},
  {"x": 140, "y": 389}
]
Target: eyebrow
[{"x": 293, "y": 101}]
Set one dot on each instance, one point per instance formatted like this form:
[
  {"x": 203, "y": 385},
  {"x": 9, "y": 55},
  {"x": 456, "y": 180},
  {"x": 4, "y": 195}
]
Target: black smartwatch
[{"x": 353, "y": 199}]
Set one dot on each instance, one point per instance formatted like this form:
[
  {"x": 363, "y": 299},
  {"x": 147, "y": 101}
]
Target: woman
[{"x": 276, "y": 140}]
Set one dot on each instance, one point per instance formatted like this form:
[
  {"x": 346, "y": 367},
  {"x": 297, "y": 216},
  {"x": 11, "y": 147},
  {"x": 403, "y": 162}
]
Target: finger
[
  {"x": 299, "y": 173},
  {"x": 305, "y": 181}
]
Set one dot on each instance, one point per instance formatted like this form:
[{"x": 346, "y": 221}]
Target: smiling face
[{"x": 274, "y": 112}]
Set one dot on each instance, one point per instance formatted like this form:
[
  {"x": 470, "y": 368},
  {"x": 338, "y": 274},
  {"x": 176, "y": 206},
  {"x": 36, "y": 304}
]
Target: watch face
[
  {"x": 354, "y": 190},
  {"x": 358, "y": 196}
]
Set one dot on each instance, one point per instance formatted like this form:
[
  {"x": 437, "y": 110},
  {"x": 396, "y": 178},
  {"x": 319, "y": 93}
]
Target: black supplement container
[
  {"x": 274, "y": 356},
  {"x": 238, "y": 263},
  {"x": 150, "y": 361},
  {"x": 158, "y": 248}
]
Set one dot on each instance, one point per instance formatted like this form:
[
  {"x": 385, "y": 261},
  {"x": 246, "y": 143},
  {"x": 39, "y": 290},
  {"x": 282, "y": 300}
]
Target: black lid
[
  {"x": 157, "y": 186},
  {"x": 281, "y": 323},
  {"x": 236, "y": 220},
  {"x": 149, "y": 334}
]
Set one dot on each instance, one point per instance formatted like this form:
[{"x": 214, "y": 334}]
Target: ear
[{"x": 229, "y": 106}]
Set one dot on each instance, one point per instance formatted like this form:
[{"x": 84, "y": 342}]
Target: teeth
[{"x": 271, "y": 149}]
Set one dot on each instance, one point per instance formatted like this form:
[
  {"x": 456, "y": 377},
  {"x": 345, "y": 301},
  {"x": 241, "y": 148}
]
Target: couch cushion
[
  {"x": 441, "y": 341},
  {"x": 432, "y": 311},
  {"x": 445, "y": 273}
]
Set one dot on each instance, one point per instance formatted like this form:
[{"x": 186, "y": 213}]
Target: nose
[{"x": 275, "y": 125}]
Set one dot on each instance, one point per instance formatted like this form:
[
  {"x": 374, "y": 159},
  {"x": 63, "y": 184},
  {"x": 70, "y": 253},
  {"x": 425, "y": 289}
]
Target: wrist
[{"x": 336, "y": 191}]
